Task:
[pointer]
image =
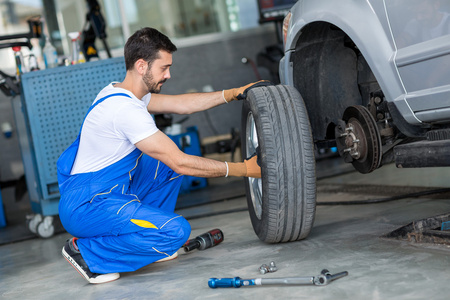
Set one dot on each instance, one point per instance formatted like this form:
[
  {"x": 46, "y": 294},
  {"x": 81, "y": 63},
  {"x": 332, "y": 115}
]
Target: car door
[{"x": 421, "y": 31}]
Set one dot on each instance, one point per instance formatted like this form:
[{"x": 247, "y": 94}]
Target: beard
[{"x": 152, "y": 86}]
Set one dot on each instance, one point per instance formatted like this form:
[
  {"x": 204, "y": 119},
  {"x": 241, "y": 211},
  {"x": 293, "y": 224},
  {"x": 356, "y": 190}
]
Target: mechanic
[{"x": 120, "y": 179}]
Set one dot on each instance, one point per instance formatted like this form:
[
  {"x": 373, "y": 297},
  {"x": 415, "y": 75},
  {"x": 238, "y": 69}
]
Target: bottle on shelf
[
  {"x": 50, "y": 55},
  {"x": 7, "y": 129},
  {"x": 81, "y": 58},
  {"x": 32, "y": 63},
  {"x": 75, "y": 47},
  {"x": 18, "y": 56}
]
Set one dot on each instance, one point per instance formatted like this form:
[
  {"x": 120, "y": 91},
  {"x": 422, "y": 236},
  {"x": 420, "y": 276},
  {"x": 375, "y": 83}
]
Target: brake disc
[{"x": 358, "y": 139}]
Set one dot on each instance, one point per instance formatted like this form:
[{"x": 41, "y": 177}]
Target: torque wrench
[{"x": 323, "y": 279}]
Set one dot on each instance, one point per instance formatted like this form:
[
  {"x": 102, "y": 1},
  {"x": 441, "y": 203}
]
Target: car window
[{"x": 416, "y": 21}]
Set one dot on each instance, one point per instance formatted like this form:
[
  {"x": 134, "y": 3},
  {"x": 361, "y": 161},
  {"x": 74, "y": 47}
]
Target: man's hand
[
  {"x": 241, "y": 92},
  {"x": 253, "y": 169},
  {"x": 248, "y": 168}
]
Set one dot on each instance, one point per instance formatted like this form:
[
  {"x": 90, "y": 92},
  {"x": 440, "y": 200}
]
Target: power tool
[{"x": 204, "y": 241}]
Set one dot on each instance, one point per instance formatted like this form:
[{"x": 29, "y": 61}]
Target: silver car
[{"x": 370, "y": 77}]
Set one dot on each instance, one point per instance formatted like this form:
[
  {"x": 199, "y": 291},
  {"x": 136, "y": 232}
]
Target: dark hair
[{"x": 146, "y": 43}]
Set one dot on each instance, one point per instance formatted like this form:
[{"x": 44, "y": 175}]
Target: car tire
[{"x": 282, "y": 203}]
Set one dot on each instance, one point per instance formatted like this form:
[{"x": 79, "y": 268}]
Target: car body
[
  {"x": 390, "y": 58},
  {"x": 370, "y": 77}
]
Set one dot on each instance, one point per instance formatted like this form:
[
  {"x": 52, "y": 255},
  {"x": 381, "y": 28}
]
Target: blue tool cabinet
[{"x": 48, "y": 116}]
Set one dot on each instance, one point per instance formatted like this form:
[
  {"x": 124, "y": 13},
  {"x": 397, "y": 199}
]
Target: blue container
[
  {"x": 2, "y": 213},
  {"x": 189, "y": 143}
]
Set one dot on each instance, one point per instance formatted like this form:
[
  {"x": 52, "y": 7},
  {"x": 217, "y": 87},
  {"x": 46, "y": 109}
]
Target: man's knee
[{"x": 178, "y": 229}]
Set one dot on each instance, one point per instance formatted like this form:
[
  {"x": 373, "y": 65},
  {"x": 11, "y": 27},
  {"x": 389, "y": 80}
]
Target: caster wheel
[
  {"x": 46, "y": 229},
  {"x": 33, "y": 221}
]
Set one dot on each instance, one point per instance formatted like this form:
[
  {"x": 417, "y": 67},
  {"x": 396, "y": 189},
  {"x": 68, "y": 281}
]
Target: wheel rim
[{"x": 255, "y": 184}]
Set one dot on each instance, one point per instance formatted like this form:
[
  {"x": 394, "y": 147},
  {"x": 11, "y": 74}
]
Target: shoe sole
[
  {"x": 76, "y": 266},
  {"x": 172, "y": 257}
]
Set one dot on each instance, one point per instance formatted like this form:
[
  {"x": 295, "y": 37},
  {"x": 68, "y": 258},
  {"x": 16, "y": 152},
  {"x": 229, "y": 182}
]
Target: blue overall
[{"x": 123, "y": 214}]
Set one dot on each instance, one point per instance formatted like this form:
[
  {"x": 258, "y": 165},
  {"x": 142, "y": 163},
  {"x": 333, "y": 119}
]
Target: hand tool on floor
[
  {"x": 323, "y": 279},
  {"x": 204, "y": 241}
]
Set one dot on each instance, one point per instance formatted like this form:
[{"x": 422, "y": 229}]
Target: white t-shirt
[{"x": 111, "y": 129}]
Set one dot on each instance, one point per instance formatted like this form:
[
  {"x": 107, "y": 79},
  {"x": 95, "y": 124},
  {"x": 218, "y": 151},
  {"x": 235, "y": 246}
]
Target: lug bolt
[
  {"x": 268, "y": 268},
  {"x": 355, "y": 154}
]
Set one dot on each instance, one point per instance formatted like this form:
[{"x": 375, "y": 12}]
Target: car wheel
[{"x": 282, "y": 203}]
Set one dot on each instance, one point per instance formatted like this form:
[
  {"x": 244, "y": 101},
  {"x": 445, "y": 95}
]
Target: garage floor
[{"x": 344, "y": 238}]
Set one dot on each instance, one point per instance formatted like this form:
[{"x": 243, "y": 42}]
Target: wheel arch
[{"x": 359, "y": 25}]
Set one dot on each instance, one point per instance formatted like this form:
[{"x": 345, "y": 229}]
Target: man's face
[{"x": 158, "y": 72}]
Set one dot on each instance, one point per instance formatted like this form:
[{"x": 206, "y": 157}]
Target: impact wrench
[
  {"x": 204, "y": 241},
  {"x": 324, "y": 278}
]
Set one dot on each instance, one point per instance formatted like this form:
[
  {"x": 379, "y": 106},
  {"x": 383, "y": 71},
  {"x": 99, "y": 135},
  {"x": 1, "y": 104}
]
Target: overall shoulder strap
[
  {"x": 104, "y": 98},
  {"x": 100, "y": 101}
]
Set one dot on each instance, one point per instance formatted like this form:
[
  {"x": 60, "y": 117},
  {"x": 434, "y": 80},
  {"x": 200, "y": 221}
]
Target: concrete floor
[{"x": 344, "y": 238}]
